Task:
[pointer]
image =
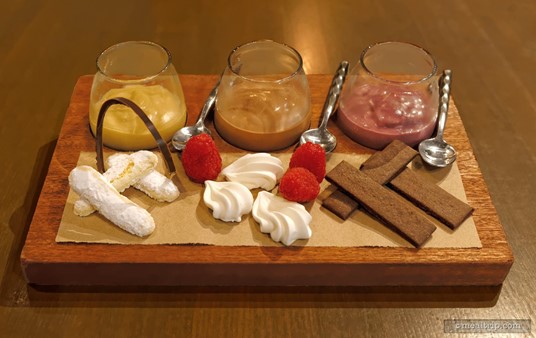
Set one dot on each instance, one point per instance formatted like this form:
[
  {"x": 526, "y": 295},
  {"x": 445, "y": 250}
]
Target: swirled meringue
[
  {"x": 285, "y": 221},
  {"x": 259, "y": 170},
  {"x": 228, "y": 200}
]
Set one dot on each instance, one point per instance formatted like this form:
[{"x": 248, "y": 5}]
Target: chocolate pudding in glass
[{"x": 263, "y": 101}]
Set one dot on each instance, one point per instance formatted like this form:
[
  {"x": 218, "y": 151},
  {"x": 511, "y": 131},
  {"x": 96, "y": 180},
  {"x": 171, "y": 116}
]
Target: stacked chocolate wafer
[{"x": 378, "y": 188}]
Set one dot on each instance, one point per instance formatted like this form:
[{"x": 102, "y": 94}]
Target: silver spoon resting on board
[
  {"x": 185, "y": 133},
  {"x": 321, "y": 135},
  {"x": 435, "y": 151}
]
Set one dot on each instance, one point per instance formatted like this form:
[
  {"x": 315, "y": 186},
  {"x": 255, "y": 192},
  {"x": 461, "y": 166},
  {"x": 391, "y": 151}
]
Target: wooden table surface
[{"x": 46, "y": 45}]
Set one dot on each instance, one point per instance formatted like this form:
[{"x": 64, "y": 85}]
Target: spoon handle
[
  {"x": 443, "y": 103},
  {"x": 209, "y": 103},
  {"x": 334, "y": 93}
]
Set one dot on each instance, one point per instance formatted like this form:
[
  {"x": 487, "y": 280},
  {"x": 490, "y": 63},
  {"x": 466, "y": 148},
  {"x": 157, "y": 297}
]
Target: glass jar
[
  {"x": 263, "y": 101},
  {"x": 142, "y": 72},
  {"x": 392, "y": 93}
]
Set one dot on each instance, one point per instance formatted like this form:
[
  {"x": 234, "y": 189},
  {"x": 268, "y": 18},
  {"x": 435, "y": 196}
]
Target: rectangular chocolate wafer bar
[
  {"x": 340, "y": 204},
  {"x": 382, "y": 166},
  {"x": 431, "y": 198},
  {"x": 402, "y": 217}
]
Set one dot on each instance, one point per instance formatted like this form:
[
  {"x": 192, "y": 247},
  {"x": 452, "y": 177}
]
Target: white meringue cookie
[
  {"x": 259, "y": 170},
  {"x": 285, "y": 221},
  {"x": 228, "y": 200}
]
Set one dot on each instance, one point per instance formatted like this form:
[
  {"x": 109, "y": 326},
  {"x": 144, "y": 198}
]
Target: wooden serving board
[{"x": 46, "y": 262}]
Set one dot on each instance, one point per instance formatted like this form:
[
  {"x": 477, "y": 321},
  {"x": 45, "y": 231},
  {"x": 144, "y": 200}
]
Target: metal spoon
[
  {"x": 321, "y": 135},
  {"x": 435, "y": 151},
  {"x": 185, "y": 133}
]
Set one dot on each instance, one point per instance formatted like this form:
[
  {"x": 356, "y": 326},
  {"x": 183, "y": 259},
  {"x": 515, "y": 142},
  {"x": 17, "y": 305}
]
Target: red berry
[
  {"x": 200, "y": 159},
  {"x": 311, "y": 157},
  {"x": 299, "y": 185}
]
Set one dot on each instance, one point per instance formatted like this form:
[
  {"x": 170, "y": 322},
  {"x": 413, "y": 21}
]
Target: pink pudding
[{"x": 374, "y": 114}]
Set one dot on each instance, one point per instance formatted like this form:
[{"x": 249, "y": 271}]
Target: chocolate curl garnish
[{"x": 162, "y": 145}]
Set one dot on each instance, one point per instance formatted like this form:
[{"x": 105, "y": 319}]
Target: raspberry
[
  {"x": 311, "y": 157},
  {"x": 200, "y": 159},
  {"x": 299, "y": 185}
]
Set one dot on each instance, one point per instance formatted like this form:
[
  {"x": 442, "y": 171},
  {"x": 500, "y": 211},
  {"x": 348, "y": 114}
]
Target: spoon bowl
[
  {"x": 435, "y": 151},
  {"x": 181, "y": 137},
  {"x": 321, "y": 135}
]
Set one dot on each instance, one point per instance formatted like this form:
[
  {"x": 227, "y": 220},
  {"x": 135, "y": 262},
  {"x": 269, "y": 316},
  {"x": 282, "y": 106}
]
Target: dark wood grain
[{"x": 47, "y": 262}]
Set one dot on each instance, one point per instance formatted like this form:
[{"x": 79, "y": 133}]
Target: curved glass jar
[
  {"x": 392, "y": 93},
  {"x": 263, "y": 101},
  {"x": 142, "y": 72}
]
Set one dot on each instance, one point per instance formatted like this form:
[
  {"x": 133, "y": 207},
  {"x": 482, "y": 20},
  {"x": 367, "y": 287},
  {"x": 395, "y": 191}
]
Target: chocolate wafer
[
  {"x": 382, "y": 166},
  {"x": 431, "y": 198},
  {"x": 340, "y": 204},
  {"x": 386, "y": 205}
]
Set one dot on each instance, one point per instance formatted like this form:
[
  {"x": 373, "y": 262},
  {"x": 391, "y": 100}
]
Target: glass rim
[
  {"x": 290, "y": 48},
  {"x": 425, "y": 78},
  {"x": 139, "y": 42}
]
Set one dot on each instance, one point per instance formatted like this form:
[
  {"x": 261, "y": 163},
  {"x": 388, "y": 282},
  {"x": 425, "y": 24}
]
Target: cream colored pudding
[{"x": 124, "y": 130}]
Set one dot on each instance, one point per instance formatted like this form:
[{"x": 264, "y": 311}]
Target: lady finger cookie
[
  {"x": 158, "y": 187},
  {"x": 93, "y": 187},
  {"x": 154, "y": 184},
  {"x": 124, "y": 171}
]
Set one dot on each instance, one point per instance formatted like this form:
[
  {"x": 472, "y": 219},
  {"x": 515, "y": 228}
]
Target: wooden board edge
[{"x": 167, "y": 274}]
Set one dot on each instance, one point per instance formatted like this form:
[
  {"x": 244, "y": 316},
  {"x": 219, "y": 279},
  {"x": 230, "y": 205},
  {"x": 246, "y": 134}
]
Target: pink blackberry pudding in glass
[{"x": 391, "y": 94}]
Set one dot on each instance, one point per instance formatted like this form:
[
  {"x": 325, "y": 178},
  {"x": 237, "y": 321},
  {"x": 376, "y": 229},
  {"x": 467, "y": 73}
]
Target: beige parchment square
[{"x": 188, "y": 221}]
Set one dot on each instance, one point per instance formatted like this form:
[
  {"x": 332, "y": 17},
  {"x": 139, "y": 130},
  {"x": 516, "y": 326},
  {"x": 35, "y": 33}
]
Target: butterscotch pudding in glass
[
  {"x": 142, "y": 72},
  {"x": 263, "y": 101}
]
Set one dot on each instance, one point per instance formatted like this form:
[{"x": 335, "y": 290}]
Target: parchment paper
[{"x": 188, "y": 221}]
